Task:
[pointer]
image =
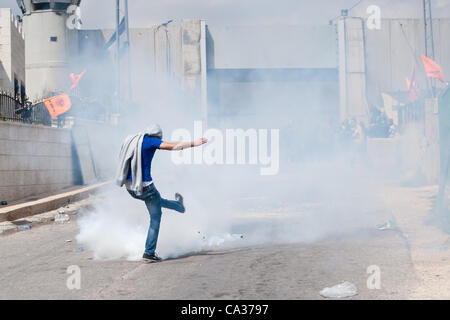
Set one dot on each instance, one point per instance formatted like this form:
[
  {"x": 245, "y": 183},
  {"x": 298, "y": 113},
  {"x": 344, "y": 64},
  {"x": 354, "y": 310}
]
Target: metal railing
[
  {"x": 411, "y": 113},
  {"x": 15, "y": 110},
  {"x": 8, "y": 106}
]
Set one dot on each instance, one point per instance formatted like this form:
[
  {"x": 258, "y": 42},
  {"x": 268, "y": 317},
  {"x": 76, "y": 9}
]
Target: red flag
[
  {"x": 432, "y": 69},
  {"x": 413, "y": 88},
  {"x": 58, "y": 105},
  {"x": 76, "y": 79}
]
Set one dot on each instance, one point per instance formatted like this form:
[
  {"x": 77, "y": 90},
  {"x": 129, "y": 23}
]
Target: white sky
[{"x": 143, "y": 13}]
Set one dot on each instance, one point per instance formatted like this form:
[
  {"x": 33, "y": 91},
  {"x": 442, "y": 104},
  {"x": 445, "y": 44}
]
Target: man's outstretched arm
[{"x": 182, "y": 145}]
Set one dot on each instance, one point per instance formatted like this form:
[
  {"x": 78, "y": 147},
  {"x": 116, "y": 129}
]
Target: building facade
[
  {"x": 50, "y": 44},
  {"x": 12, "y": 54}
]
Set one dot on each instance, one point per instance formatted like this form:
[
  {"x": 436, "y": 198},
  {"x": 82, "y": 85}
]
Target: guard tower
[{"x": 51, "y": 39}]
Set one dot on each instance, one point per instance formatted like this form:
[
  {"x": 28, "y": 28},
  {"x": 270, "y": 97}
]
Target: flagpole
[
  {"x": 416, "y": 59},
  {"x": 118, "y": 55},
  {"x": 127, "y": 28}
]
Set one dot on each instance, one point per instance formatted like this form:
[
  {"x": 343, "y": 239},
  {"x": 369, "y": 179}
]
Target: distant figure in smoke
[
  {"x": 360, "y": 140},
  {"x": 361, "y": 136},
  {"x": 135, "y": 161}
]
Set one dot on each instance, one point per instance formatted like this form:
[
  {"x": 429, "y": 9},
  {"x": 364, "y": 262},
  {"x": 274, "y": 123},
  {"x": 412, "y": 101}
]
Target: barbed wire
[{"x": 349, "y": 9}]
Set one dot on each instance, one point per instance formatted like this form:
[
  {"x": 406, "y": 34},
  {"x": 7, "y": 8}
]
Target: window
[
  {"x": 16, "y": 86},
  {"x": 22, "y": 92}
]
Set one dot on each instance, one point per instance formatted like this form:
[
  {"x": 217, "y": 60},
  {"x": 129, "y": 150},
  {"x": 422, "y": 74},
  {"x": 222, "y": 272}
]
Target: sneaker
[
  {"x": 179, "y": 198},
  {"x": 151, "y": 257}
]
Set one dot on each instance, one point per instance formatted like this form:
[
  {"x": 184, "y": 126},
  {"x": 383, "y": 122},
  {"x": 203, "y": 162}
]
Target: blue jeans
[{"x": 154, "y": 203}]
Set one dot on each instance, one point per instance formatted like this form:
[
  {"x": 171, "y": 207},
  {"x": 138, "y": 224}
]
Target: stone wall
[{"x": 33, "y": 160}]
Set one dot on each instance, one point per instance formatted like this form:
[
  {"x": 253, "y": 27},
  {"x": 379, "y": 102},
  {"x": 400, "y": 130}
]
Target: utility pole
[
  {"x": 428, "y": 23},
  {"x": 118, "y": 54},
  {"x": 127, "y": 29},
  {"x": 429, "y": 38}
]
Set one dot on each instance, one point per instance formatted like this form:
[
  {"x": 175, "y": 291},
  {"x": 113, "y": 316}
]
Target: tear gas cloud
[{"x": 322, "y": 189}]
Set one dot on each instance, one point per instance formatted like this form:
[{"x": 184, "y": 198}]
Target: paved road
[{"x": 34, "y": 263}]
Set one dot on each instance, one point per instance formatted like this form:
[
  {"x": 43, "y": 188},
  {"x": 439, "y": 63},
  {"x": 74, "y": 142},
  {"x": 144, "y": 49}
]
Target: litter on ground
[
  {"x": 342, "y": 290},
  {"x": 389, "y": 225}
]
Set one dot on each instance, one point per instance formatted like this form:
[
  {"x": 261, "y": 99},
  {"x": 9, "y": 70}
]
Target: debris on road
[
  {"x": 62, "y": 217},
  {"x": 342, "y": 290},
  {"x": 389, "y": 225},
  {"x": 203, "y": 237},
  {"x": 25, "y": 227}
]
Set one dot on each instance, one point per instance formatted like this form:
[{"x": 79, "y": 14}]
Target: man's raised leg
[{"x": 173, "y": 205}]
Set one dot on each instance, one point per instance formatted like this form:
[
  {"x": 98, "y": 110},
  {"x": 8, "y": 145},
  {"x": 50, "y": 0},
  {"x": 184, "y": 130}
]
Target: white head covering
[{"x": 154, "y": 130}]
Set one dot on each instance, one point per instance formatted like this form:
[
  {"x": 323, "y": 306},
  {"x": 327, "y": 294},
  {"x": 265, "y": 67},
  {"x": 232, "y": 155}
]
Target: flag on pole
[
  {"x": 58, "y": 105},
  {"x": 432, "y": 69},
  {"x": 413, "y": 88},
  {"x": 76, "y": 79}
]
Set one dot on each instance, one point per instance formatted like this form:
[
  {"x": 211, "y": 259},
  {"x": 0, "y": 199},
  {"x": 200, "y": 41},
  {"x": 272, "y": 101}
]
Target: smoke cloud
[{"x": 323, "y": 188}]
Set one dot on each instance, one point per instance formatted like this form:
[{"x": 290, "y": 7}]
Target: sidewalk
[
  {"x": 49, "y": 203},
  {"x": 429, "y": 245},
  {"x": 73, "y": 210}
]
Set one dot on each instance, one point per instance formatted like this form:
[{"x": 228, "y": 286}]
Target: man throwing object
[{"x": 135, "y": 162}]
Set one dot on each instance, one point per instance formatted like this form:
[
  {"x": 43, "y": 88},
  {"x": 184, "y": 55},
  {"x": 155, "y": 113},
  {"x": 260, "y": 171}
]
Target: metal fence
[
  {"x": 13, "y": 109},
  {"x": 411, "y": 113},
  {"x": 8, "y": 107}
]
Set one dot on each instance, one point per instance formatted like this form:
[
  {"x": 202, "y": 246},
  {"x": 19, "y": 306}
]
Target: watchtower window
[{"x": 56, "y": 5}]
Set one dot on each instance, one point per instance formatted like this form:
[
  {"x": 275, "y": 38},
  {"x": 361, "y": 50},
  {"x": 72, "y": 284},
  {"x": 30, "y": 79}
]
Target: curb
[
  {"x": 74, "y": 210},
  {"x": 27, "y": 209}
]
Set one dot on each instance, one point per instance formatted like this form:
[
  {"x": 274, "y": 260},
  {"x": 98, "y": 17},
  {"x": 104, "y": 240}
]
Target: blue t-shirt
[{"x": 149, "y": 146}]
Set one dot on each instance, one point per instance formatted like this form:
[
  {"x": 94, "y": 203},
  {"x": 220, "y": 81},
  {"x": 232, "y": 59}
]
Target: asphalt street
[{"x": 34, "y": 265}]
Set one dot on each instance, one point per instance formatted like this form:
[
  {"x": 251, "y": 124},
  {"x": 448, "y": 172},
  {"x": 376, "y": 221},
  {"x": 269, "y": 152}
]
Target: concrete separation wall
[
  {"x": 97, "y": 145},
  {"x": 274, "y": 46},
  {"x": 33, "y": 160}
]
